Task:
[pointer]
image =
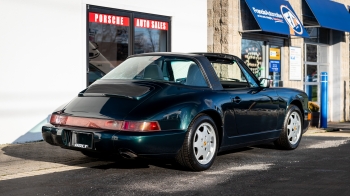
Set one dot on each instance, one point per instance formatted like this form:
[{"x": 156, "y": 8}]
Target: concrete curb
[{"x": 328, "y": 132}]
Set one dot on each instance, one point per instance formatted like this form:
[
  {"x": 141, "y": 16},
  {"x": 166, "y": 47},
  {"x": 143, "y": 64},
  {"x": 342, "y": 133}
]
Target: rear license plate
[{"x": 82, "y": 140}]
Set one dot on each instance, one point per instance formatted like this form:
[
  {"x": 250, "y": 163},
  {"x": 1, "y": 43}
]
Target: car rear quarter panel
[
  {"x": 176, "y": 106},
  {"x": 296, "y": 97}
]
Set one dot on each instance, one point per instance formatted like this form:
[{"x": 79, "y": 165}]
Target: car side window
[
  {"x": 230, "y": 74},
  {"x": 249, "y": 77},
  {"x": 187, "y": 73}
]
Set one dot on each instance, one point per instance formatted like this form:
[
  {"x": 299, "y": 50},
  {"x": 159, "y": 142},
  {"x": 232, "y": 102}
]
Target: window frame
[
  {"x": 247, "y": 71},
  {"x": 131, "y": 28}
]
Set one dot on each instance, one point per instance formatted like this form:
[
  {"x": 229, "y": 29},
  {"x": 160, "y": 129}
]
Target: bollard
[{"x": 324, "y": 99}]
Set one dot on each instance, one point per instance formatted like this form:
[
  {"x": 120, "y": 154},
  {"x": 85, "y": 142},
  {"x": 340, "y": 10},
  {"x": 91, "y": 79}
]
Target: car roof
[
  {"x": 192, "y": 54},
  {"x": 166, "y": 54}
]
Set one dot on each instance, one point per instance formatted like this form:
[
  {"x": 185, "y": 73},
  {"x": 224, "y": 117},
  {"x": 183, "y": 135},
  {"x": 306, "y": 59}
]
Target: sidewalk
[{"x": 334, "y": 129}]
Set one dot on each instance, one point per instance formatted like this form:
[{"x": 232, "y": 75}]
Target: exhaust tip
[{"x": 127, "y": 154}]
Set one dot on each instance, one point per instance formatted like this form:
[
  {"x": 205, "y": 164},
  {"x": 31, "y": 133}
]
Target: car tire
[
  {"x": 291, "y": 133},
  {"x": 200, "y": 146}
]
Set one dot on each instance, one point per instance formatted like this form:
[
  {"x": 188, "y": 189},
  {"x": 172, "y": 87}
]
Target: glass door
[
  {"x": 315, "y": 62},
  {"x": 274, "y": 71}
]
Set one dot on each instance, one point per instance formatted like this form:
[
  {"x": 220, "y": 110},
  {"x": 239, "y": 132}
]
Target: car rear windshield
[{"x": 160, "y": 68}]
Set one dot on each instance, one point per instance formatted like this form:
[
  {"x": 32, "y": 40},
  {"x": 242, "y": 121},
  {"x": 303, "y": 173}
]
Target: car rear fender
[
  {"x": 297, "y": 98},
  {"x": 181, "y": 115},
  {"x": 217, "y": 118}
]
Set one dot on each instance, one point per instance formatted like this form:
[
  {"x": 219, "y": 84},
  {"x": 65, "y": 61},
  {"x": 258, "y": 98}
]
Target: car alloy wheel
[
  {"x": 291, "y": 133},
  {"x": 204, "y": 143},
  {"x": 200, "y": 146},
  {"x": 294, "y": 128}
]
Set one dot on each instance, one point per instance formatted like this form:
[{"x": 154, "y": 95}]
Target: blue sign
[
  {"x": 275, "y": 66},
  {"x": 276, "y": 16}
]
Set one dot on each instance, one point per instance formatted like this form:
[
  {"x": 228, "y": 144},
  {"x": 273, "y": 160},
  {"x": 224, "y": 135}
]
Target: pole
[
  {"x": 308, "y": 87},
  {"x": 324, "y": 99}
]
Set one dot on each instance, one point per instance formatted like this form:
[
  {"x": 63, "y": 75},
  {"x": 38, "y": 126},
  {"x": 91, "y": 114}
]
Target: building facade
[{"x": 253, "y": 31}]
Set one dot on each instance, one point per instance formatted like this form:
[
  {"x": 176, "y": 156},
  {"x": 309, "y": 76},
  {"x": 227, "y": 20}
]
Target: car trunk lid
[{"x": 110, "y": 99}]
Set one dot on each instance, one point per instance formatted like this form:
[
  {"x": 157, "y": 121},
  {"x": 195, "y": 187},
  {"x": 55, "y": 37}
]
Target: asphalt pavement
[{"x": 319, "y": 166}]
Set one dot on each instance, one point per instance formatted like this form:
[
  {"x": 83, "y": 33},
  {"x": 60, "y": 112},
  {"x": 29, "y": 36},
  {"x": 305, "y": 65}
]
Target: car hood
[{"x": 111, "y": 99}]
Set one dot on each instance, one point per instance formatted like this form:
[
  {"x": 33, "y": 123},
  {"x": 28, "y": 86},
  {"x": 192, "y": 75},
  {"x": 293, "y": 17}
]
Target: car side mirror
[{"x": 265, "y": 83}]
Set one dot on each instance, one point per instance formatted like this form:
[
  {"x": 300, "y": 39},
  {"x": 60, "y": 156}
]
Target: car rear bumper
[{"x": 162, "y": 143}]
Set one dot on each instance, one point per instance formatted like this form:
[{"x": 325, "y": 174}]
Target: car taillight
[
  {"x": 141, "y": 126},
  {"x": 135, "y": 126},
  {"x": 58, "y": 119}
]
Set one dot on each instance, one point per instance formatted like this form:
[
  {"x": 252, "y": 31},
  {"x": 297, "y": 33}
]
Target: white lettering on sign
[
  {"x": 267, "y": 13},
  {"x": 108, "y": 19},
  {"x": 153, "y": 24}
]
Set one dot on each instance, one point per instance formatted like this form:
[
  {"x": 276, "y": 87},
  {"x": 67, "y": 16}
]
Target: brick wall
[
  {"x": 296, "y": 42},
  {"x": 223, "y": 27}
]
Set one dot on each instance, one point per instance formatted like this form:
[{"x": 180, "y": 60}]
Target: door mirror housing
[{"x": 265, "y": 83}]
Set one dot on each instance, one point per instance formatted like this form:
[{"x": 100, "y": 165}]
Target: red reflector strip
[
  {"x": 86, "y": 122},
  {"x": 135, "y": 126},
  {"x": 141, "y": 126}
]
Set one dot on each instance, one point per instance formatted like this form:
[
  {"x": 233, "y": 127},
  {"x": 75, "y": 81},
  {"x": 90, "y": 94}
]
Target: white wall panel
[{"x": 43, "y": 53}]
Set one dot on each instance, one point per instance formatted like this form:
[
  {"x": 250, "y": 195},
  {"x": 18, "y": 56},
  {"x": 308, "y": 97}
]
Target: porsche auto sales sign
[
  {"x": 108, "y": 19},
  {"x": 125, "y": 21},
  {"x": 152, "y": 24}
]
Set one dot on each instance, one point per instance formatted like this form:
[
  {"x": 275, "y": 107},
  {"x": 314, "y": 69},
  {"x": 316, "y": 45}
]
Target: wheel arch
[
  {"x": 300, "y": 106},
  {"x": 218, "y": 122}
]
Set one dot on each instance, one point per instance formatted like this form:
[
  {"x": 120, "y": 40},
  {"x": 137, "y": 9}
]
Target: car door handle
[{"x": 237, "y": 100}]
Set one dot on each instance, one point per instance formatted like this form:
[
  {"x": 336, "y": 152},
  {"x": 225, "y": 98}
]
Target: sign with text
[
  {"x": 151, "y": 24},
  {"x": 295, "y": 63},
  {"x": 275, "y": 66},
  {"x": 108, "y": 19},
  {"x": 275, "y": 54},
  {"x": 276, "y": 16}
]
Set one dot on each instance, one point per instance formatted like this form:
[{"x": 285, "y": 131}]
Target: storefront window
[
  {"x": 318, "y": 35},
  {"x": 113, "y": 35},
  {"x": 108, "y": 43},
  {"x": 311, "y": 53},
  {"x": 252, "y": 56},
  {"x": 150, "y": 36}
]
